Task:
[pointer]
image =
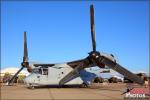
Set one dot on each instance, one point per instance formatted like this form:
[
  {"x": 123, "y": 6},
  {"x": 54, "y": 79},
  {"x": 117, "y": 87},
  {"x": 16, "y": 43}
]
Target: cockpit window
[
  {"x": 37, "y": 71},
  {"x": 43, "y": 71}
]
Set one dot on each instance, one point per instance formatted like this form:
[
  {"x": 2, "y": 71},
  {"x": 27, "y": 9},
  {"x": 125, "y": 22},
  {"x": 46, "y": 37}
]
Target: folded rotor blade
[
  {"x": 93, "y": 34},
  {"x": 73, "y": 74},
  {"x": 121, "y": 70},
  {"x": 12, "y": 79}
]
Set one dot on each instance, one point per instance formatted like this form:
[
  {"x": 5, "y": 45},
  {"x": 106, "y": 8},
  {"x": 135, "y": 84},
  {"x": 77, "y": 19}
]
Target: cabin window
[
  {"x": 40, "y": 71},
  {"x": 45, "y": 71}
]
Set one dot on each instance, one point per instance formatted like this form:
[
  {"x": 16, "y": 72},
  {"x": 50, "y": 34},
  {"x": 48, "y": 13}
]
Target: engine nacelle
[{"x": 101, "y": 65}]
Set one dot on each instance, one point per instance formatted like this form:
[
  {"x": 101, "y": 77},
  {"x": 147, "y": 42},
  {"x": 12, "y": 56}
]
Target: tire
[{"x": 83, "y": 85}]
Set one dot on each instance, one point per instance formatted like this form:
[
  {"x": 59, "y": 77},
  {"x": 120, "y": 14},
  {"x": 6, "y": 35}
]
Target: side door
[
  {"x": 44, "y": 76},
  {"x": 53, "y": 75}
]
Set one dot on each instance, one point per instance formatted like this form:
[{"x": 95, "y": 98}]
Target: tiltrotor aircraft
[{"x": 72, "y": 73}]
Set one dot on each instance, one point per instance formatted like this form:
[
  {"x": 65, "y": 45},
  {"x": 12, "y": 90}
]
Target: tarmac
[{"x": 99, "y": 91}]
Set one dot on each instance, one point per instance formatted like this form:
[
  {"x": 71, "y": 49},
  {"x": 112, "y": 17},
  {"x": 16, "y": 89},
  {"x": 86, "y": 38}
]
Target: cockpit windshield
[
  {"x": 43, "y": 71},
  {"x": 37, "y": 71}
]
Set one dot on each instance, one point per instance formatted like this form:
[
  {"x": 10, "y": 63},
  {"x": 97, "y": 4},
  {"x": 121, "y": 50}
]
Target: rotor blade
[
  {"x": 93, "y": 34},
  {"x": 121, "y": 70},
  {"x": 75, "y": 72},
  {"x": 25, "y": 57},
  {"x": 12, "y": 79}
]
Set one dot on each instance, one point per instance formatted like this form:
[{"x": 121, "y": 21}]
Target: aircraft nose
[{"x": 26, "y": 80}]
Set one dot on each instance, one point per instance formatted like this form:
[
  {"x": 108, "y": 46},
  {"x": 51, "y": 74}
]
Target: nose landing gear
[{"x": 31, "y": 86}]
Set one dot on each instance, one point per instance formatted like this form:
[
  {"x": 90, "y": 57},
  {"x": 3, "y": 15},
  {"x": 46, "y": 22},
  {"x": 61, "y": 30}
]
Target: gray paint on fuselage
[{"x": 57, "y": 72}]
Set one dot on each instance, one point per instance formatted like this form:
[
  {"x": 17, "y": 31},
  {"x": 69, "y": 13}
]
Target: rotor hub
[
  {"x": 94, "y": 55},
  {"x": 25, "y": 64}
]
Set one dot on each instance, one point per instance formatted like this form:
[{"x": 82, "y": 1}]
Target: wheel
[
  {"x": 31, "y": 86},
  {"x": 83, "y": 85}
]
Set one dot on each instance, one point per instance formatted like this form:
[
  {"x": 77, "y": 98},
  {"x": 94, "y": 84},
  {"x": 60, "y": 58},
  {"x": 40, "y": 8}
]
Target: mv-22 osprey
[{"x": 72, "y": 73}]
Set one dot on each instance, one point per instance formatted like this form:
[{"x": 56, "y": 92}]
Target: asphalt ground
[{"x": 111, "y": 91}]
